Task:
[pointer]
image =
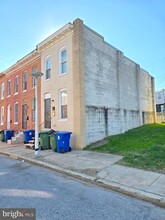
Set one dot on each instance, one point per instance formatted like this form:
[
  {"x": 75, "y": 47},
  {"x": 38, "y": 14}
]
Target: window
[
  {"x": 33, "y": 79},
  {"x": 2, "y": 91},
  {"x": 2, "y": 115},
  {"x": 63, "y": 100},
  {"x": 63, "y": 61},
  {"x": 9, "y": 88},
  {"x": 24, "y": 82},
  {"x": 48, "y": 69},
  {"x": 159, "y": 95},
  {"x": 33, "y": 109},
  {"x": 16, "y": 85},
  {"x": 16, "y": 113}
]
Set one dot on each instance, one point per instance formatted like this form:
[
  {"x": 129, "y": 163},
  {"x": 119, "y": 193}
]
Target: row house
[
  {"x": 18, "y": 94},
  {"x": 160, "y": 100},
  {"x": 89, "y": 87}
]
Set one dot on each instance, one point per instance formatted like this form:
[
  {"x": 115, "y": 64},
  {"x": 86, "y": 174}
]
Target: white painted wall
[{"x": 117, "y": 90}]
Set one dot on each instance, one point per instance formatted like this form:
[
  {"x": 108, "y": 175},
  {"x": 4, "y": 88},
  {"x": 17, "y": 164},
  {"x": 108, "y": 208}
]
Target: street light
[{"x": 36, "y": 75}]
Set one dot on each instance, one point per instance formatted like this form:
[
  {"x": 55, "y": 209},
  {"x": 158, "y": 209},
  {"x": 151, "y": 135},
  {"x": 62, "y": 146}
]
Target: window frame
[
  {"x": 15, "y": 116},
  {"x": 16, "y": 79},
  {"x": 62, "y": 62},
  {"x": 2, "y": 115},
  {"x": 8, "y": 88},
  {"x": 48, "y": 70},
  {"x": 24, "y": 82},
  {"x": 61, "y": 113},
  {"x": 3, "y": 90}
]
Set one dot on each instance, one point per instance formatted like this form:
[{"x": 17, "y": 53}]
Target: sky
[{"x": 136, "y": 27}]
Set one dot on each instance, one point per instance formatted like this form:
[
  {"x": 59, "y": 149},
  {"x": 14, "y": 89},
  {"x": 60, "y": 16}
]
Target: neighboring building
[
  {"x": 89, "y": 87},
  {"x": 160, "y": 101},
  {"x": 17, "y": 90}
]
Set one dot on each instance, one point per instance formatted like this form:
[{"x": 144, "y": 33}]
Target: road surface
[{"x": 55, "y": 196}]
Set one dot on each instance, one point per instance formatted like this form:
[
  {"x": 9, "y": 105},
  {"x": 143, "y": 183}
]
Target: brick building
[
  {"x": 89, "y": 87},
  {"x": 17, "y": 94}
]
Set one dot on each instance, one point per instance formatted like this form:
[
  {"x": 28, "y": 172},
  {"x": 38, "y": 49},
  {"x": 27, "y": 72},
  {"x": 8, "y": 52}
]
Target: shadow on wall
[{"x": 103, "y": 121}]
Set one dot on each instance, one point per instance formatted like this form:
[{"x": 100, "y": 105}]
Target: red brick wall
[{"x": 23, "y": 97}]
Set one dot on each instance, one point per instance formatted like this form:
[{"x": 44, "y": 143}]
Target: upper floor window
[
  {"x": 2, "y": 115},
  {"x": 2, "y": 91},
  {"x": 16, "y": 84},
  {"x": 63, "y": 101},
  {"x": 24, "y": 82},
  {"x": 9, "y": 88},
  {"x": 48, "y": 69},
  {"x": 63, "y": 61}
]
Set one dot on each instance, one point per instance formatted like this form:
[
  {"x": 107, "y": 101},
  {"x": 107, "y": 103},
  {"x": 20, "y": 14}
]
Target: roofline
[{"x": 55, "y": 34}]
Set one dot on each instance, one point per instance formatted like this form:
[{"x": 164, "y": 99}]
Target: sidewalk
[{"x": 97, "y": 168}]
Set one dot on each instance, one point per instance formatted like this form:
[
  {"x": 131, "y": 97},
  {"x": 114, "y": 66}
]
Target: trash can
[
  {"x": 63, "y": 141},
  {"x": 45, "y": 139},
  {"x": 53, "y": 144},
  {"x": 28, "y": 135},
  {"x": 2, "y": 137},
  {"x": 8, "y": 134}
]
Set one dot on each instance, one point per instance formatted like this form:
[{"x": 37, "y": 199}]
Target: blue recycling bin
[
  {"x": 28, "y": 135},
  {"x": 8, "y": 134},
  {"x": 63, "y": 141}
]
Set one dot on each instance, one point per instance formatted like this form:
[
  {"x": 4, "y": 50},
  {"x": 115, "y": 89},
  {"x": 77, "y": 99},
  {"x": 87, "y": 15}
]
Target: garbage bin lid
[{"x": 63, "y": 132}]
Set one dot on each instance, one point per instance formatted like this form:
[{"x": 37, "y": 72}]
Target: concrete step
[
  {"x": 29, "y": 146},
  {"x": 31, "y": 142}
]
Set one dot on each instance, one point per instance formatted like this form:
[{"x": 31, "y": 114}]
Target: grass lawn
[{"x": 142, "y": 147}]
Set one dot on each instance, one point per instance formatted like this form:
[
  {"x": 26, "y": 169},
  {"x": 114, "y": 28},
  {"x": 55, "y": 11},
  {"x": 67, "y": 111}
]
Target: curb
[{"x": 139, "y": 194}]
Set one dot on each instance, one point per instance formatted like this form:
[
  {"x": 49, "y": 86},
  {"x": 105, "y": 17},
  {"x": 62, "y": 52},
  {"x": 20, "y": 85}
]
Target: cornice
[
  {"x": 55, "y": 40},
  {"x": 47, "y": 43},
  {"x": 22, "y": 62}
]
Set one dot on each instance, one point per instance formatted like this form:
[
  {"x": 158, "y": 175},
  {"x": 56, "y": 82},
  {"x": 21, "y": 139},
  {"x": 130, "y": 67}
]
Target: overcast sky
[{"x": 136, "y": 27}]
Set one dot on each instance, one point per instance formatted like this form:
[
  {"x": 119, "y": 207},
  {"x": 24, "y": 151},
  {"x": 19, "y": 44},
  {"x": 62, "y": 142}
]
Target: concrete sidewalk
[{"x": 97, "y": 168}]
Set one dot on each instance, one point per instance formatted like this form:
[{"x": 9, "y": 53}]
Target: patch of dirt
[{"x": 99, "y": 143}]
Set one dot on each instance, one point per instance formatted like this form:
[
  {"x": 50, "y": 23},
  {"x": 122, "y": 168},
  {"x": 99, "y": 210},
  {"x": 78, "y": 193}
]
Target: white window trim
[
  {"x": 47, "y": 95},
  {"x": 15, "y": 93},
  {"x": 2, "y": 97},
  {"x": 7, "y": 87},
  {"x": 2, "y": 121},
  {"x": 59, "y": 101},
  {"x": 45, "y": 60},
  {"x": 24, "y": 73},
  {"x": 14, "y": 113},
  {"x": 59, "y": 55}
]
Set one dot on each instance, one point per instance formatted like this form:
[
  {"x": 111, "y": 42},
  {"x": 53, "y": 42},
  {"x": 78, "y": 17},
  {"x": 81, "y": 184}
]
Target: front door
[
  {"x": 47, "y": 113},
  {"x": 8, "y": 117},
  {"x": 24, "y": 116}
]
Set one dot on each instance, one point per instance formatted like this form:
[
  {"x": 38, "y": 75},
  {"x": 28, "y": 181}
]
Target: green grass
[{"x": 142, "y": 147}]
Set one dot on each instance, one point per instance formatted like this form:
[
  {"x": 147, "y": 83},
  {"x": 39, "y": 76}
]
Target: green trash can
[
  {"x": 53, "y": 142},
  {"x": 44, "y": 140},
  {"x": 2, "y": 136}
]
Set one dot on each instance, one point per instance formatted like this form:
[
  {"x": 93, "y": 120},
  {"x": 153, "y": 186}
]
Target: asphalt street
[{"x": 55, "y": 196}]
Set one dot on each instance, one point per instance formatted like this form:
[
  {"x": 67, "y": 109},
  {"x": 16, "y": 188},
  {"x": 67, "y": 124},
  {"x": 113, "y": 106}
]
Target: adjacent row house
[
  {"x": 89, "y": 88},
  {"x": 17, "y": 94}
]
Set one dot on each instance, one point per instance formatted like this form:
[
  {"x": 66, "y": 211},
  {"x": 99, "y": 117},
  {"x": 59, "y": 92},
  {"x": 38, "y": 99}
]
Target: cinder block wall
[{"x": 119, "y": 95}]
